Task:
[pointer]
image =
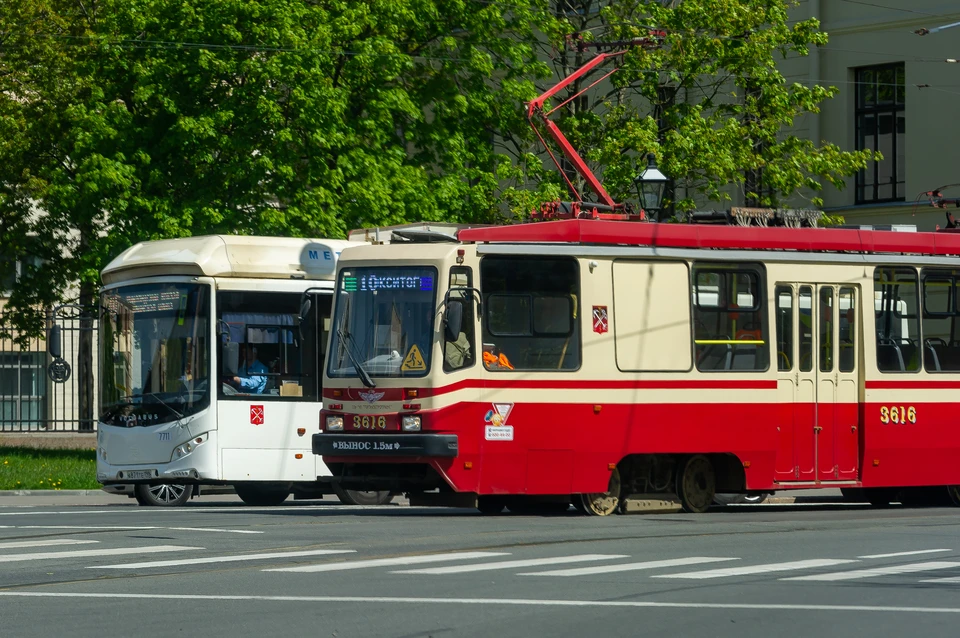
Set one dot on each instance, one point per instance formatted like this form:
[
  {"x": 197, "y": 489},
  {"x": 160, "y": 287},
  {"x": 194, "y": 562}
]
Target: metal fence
[{"x": 30, "y": 401}]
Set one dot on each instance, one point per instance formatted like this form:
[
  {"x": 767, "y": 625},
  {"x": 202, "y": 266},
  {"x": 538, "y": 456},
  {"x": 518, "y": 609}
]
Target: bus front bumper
[{"x": 395, "y": 445}]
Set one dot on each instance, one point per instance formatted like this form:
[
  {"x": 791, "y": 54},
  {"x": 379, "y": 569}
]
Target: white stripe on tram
[
  {"x": 387, "y": 562},
  {"x": 508, "y": 564}
]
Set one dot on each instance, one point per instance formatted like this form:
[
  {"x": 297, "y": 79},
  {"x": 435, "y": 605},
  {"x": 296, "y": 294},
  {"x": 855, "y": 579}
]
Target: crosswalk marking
[
  {"x": 879, "y": 571},
  {"x": 507, "y": 564},
  {"x": 201, "y": 560},
  {"x": 629, "y": 567},
  {"x": 84, "y": 553},
  {"x": 913, "y": 553},
  {"x": 388, "y": 562},
  {"x": 945, "y": 581},
  {"x": 44, "y": 543},
  {"x": 758, "y": 569}
]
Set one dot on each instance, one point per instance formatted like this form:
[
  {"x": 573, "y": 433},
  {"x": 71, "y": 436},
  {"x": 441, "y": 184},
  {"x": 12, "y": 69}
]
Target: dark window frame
[{"x": 869, "y": 105}]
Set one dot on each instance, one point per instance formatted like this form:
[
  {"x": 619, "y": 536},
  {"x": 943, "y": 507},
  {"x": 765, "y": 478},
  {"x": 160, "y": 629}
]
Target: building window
[
  {"x": 880, "y": 123},
  {"x": 12, "y": 269},
  {"x": 22, "y": 389}
]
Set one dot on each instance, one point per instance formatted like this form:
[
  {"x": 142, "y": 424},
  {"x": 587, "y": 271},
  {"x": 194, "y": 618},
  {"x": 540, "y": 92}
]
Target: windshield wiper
[
  {"x": 155, "y": 396},
  {"x": 361, "y": 372}
]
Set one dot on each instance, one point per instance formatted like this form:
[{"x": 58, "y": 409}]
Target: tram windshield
[
  {"x": 155, "y": 355},
  {"x": 384, "y": 323}
]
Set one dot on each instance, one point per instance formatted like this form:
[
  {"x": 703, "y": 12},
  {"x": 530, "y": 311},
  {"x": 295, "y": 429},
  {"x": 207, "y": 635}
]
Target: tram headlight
[
  {"x": 334, "y": 423},
  {"x": 411, "y": 424}
]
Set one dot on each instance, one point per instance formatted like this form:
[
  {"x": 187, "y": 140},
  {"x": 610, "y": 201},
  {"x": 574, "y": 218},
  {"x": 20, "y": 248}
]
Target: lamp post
[{"x": 650, "y": 186}]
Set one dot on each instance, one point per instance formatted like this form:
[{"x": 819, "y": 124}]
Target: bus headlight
[
  {"x": 411, "y": 424},
  {"x": 334, "y": 423}
]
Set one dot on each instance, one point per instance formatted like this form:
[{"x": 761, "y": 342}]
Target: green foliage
[
  {"x": 710, "y": 102},
  {"x": 127, "y": 120}
]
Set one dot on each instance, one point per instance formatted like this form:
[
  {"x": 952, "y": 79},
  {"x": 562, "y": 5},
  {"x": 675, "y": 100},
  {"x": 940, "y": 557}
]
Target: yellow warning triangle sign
[{"x": 413, "y": 362}]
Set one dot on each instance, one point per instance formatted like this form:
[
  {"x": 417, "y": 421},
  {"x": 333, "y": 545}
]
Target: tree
[{"x": 709, "y": 101}]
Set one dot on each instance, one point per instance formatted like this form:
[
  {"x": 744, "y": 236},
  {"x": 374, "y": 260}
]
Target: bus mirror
[
  {"x": 453, "y": 320},
  {"x": 305, "y": 308},
  {"x": 231, "y": 358},
  {"x": 54, "y": 345}
]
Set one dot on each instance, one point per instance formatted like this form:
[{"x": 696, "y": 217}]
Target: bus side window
[{"x": 461, "y": 353}]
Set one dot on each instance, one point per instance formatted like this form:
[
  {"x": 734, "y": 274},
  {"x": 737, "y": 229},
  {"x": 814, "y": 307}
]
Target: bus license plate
[
  {"x": 138, "y": 475},
  {"x": 371, "y": 423}
]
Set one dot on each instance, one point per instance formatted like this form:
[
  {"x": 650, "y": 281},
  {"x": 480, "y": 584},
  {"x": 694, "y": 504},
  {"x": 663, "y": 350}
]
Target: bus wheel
[
  {"x": 266, "y": 495},
  {"x": 491, "y": 505},
  {"x": 696, "y": 484},
  {"x": 358, "y": 497},
  {"x": 162, "y": 494},
  {"x": 953, "y": 493},
  {"x": 600, "y": 503}
]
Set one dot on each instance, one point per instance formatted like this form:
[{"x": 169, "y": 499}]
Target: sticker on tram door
[
  {"x": 601, "y": 321},
  {"x": 256, "y": 415},
  {"x": 496, "y": 420}
]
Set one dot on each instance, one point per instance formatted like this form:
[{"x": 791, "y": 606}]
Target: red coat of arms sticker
[
  {"x": 256, "y": 415},
  {"x": 600, "y": 321}
]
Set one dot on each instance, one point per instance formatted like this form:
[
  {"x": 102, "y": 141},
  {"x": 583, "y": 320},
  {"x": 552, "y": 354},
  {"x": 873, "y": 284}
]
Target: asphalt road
[{"x": 104, "y": 567}]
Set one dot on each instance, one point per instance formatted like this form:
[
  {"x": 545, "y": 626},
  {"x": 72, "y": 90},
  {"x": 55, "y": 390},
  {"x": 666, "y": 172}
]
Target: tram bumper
[{"x": 389, "y": 445}]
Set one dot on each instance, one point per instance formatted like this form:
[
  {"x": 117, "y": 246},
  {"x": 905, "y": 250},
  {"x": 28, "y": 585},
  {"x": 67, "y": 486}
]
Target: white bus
[{"x": 209, "y": 369}]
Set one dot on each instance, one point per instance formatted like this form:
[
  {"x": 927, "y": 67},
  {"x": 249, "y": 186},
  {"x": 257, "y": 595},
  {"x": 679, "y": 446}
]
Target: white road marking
[
  {"x": 388, "y": 562},
  {"x": 945, "y": 581},
  {"x": 114, "y": 528},
  {"x": 508, "y": 564},
  {"x": 83, "y": 553},
  {"x": 506, "y": 602},
  {"x": 878, "y": 571},
  {"x": 45, "y": 543},
  {"x": 914, "y": 553},
  {"x": 200, "y": 560},
  {"x": 172, "y": 511},
  {"x": 629, "y": 567},
  {"x": 758, "y": 569}
]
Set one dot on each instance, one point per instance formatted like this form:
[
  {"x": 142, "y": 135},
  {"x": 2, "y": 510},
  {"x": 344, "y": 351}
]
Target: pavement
[{"x": 324, "y": 569}]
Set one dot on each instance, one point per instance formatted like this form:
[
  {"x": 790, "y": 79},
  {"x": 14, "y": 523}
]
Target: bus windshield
[
  {"x": 383, "y": 323},
  {"x": 155, "y": 355}
]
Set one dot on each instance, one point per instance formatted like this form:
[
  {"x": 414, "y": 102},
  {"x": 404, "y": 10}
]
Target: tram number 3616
[{"x": 898, "y": 414}]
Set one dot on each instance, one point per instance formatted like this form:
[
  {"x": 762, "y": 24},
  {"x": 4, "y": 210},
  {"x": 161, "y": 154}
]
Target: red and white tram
[{"x": 615, "y": 363}]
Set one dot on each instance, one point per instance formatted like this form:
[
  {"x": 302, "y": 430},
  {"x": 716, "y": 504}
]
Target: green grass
[{"x": 31, "y": 469}]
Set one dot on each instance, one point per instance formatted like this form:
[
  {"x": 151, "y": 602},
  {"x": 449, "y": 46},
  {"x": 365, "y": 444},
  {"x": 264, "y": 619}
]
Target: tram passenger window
[
  {"x": 268, "y": 322},
  {"x": 730, "y": 325},
  {"x": 461, "y": 353},
  {"x": 806, "y": 329},
  {"x": 848, "y": 330},
  {"x": 897, "y": 302},
  {"x": 530, "y": 313},
  {"x": 941, "y": 320},
  {"x": 784, "y": 314}
]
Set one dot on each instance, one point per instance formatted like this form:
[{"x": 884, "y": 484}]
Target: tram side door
[{"x": 824, "y": 374}]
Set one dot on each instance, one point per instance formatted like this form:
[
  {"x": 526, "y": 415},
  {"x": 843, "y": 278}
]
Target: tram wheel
[
  {"x": 266, "y": 495},
  {"x": 162, "y": 494},
  {"x": 491, "y": 505},
  {"x": 361, "y": 497},
  {"x": 600, "y": 503},
  {"x": 953, "y": 493},
  {"x": 696, "y": 484}
]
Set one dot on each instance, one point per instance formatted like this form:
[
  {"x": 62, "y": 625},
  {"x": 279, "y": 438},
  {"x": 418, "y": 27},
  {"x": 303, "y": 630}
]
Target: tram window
[
  {"x": 784, "y": 295},
  {"x": 826, "y": 343},
  {"x": 530, "y": 312},
  {"x": 460, "y": 354},
  {"x": 898, "y": 331},
  {"x": 806, "y": 329},
  {"x": 941, "y": 320},
  {"x": 730, "y": 331},
  {"x": 848, "y": 330},
  {"x": 288, "y": 354}
]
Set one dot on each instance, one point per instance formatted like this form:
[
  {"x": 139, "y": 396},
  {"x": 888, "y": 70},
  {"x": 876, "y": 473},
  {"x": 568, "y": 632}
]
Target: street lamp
[{"x": 650, "y": 186}]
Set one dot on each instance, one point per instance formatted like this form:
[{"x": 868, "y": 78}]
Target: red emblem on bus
[
  {"x": 600, "y": 319},
  {"x": 256, "y": 415}
]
